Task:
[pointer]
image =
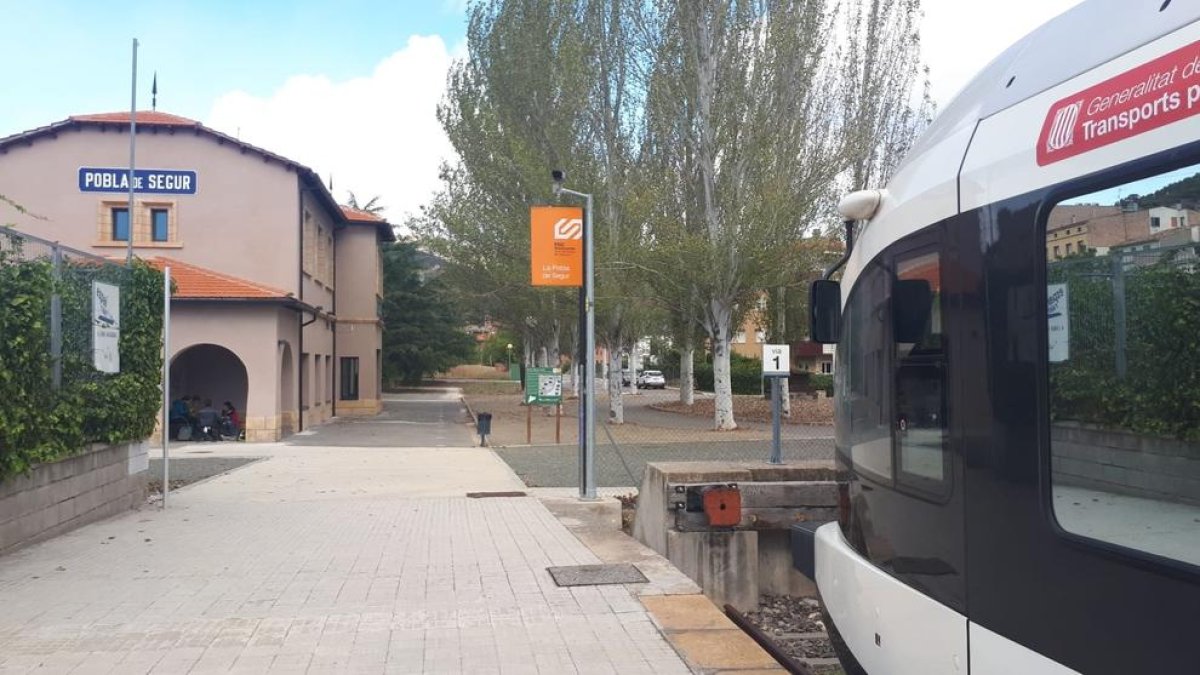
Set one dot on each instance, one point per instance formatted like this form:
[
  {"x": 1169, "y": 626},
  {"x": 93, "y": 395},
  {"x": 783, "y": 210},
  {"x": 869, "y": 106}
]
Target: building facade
[{"x": 277, "y": 286}]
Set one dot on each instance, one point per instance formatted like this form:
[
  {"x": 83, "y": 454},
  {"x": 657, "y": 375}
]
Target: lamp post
[
  {"x": 509, "y": 348},
  {"x": 587, "y": 407}
]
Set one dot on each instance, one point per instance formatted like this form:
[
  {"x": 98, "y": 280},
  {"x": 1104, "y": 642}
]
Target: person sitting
[
  {"x": 179, "y": 417},
  {"x": 231, "y": 422},
  {"x": 208, "y": 419}
]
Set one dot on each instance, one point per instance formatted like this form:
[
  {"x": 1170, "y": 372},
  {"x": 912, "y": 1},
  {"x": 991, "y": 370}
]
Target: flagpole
[{"x": 132, "y": 144}]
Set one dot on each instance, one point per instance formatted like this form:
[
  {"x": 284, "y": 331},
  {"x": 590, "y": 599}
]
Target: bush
[
  {"x": 1159, "y": 394},
  {"x": 745, "y": 375},
  {"x": 41, "y": 424},
  {"x": 813, "y": 382}
]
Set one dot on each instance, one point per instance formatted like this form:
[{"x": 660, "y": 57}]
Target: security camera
[{"x": 557, "y": 175}]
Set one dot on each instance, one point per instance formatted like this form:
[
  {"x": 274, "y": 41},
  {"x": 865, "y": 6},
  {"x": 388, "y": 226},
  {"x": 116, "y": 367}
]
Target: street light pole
[{"x": 587, "y": 406}]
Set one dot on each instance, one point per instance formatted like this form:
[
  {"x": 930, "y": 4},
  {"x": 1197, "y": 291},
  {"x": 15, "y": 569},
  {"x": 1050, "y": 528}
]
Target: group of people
[{"x": 193, "y": 421}]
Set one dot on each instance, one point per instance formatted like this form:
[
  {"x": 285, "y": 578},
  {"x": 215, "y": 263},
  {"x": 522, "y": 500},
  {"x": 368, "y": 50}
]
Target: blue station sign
[{"x": 145, "y": 181}]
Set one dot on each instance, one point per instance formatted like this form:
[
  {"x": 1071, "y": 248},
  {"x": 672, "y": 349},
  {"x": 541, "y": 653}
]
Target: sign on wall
[
  {"x": 1058, "y": 320},
  {"x": 776, "y": 360},
  {"x": 145, "y": 181},
  {"x": 556, "y": 245},
  {"x": 106, "y": 327}
]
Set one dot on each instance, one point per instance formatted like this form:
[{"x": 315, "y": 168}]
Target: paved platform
[{"x": 325, "y": 559}]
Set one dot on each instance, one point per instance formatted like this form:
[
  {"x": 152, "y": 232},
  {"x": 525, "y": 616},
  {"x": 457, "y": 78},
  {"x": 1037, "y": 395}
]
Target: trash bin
[{"x": 483, "y": 424}]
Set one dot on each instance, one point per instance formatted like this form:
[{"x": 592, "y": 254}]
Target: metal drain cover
[
  {"x": 490, "y": 495},
  {"x": 597, "y": 575}
]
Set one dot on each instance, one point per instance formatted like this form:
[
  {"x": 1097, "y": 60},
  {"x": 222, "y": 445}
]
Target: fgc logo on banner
[{"x": 568, "y": 229}]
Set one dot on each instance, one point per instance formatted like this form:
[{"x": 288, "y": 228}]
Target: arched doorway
[
  {"x": 210, "y": 372},
  {"x": 287, "y": 390}
]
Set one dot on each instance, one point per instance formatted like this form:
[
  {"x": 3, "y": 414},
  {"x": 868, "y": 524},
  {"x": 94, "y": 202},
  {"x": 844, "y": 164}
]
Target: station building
[{"x": 278, "y": 287}]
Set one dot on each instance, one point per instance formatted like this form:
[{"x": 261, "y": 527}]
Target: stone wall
[
  {"x": 60, "y": 496},
  {"x": 1125, "y": 463}
]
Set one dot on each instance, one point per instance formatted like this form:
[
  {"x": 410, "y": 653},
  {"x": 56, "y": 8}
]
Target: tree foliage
[
  {"x": 714, "y": 136},
  {"x": 423, "y": 330}
]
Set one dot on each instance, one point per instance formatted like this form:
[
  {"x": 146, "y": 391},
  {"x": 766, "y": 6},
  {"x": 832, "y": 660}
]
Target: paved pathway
[
  {"x": 430, "y": 418},
  {"x": 324, "y": 559}
]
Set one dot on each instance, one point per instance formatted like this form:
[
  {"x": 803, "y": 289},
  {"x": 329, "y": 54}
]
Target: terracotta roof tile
[
  {"x": 193, "y": 282},
  {"x": 143, "y": 117},
  {"x": 360, "y": 216}
]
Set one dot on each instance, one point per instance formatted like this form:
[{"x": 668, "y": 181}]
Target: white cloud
[
  {"x": 376, "y": 135},
  {"x": 959, "y": 38}
]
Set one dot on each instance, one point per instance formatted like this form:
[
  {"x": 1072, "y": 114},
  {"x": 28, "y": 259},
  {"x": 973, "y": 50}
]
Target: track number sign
[{"x": 775, "y": 360}]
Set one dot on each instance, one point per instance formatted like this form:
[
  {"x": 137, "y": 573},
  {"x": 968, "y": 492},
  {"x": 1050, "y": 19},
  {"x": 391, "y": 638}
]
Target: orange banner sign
[{"x": 556, "y": 245}]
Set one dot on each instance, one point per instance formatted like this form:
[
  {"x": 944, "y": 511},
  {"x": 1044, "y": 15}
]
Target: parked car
[{"x": 652, "y": 379}]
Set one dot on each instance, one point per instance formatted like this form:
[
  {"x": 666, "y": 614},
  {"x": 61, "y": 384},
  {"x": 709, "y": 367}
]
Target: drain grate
[
  {"x": 597, "y": 575},
  {"x": 489, "y": 495}
]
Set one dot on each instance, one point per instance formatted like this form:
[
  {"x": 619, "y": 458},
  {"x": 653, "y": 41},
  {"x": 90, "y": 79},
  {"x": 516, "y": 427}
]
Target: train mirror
[
  {"x": 825, "y": 311},
  {"x": 912, "y": 302}
]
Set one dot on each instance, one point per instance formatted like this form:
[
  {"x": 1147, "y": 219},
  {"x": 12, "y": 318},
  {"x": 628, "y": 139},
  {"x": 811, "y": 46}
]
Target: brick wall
[{"x": 60, "y": 496}]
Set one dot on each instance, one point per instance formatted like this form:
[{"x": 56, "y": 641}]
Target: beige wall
[
  {"x": 359, "y": 331},
  {"x": 243, "y": 219},
  {"x": 253, "y": 332}
]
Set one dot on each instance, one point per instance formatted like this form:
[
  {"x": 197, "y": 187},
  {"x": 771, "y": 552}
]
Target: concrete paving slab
[{"x": 322, "y": 559}]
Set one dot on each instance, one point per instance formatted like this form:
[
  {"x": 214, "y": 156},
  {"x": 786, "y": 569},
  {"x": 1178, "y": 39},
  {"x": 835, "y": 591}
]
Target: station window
[
  {"x": 349, "y": 389},
  {"x": 1123, "y": 364},
  {"x": 160, "y": 224},
  {"x": 120, "y": 224}
]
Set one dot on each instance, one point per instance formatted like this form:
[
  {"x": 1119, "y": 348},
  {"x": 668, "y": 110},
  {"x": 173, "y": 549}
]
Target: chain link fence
[{"x": 655, "y": 427}]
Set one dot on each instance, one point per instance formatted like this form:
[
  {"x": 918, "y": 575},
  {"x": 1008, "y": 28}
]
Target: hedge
[
  {"x": 40, "y": 424},
  {"x": 1160, "y": 392},
  {"x": 745, "y": 375}
]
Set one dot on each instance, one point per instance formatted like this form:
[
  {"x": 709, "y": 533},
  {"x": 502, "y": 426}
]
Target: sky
[{"x": 349, "y": 88}]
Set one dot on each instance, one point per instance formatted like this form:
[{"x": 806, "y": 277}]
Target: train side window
[
  {"x": 919, "y": 417},
  {"x": 1123, "y": 353},
  {"x": 864, "y": 375}
]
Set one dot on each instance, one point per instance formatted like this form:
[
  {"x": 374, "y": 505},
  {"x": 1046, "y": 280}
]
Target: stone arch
[{"x": 210, "y": 371}]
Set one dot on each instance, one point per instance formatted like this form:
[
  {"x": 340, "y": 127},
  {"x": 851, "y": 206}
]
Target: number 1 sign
[{"x": 775, "y": 360}]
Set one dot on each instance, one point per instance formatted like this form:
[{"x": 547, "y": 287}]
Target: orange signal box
[{"x": 556, "y": 245}]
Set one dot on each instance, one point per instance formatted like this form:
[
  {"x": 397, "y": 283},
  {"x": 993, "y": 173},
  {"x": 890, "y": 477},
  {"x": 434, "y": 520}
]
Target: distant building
[{"x": 277, "y": 286}]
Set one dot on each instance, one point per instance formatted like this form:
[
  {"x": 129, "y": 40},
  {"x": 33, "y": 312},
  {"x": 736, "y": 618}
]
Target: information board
[
  {"x": 106, "y": 327},
  {"x": 543, "y": 386},
  {"x": 1058, "y": 320}
]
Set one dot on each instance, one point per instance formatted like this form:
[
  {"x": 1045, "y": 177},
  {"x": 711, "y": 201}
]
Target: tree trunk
[
  {"x": 687, "y": 376},
  {"x": 780, "y": 321},
  {"x": 555, "y": 340},
  {"x": 634, "y": 366},
  {"x": 616, "y": 407},
  {"x": 543, "y": 357},
  {"x": 722, "y": 316}
]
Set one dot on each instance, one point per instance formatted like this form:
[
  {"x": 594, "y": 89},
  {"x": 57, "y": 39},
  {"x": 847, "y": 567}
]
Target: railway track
[{"x": 787, "y": 630}]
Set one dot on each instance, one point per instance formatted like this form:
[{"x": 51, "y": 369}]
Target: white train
[{"x": 1018, "y": 369}]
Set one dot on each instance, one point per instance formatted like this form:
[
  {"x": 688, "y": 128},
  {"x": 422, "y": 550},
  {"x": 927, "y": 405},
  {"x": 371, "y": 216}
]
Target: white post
[
  {"x": 132, "y": 143},
  {"x": 166, "y": 386}
]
